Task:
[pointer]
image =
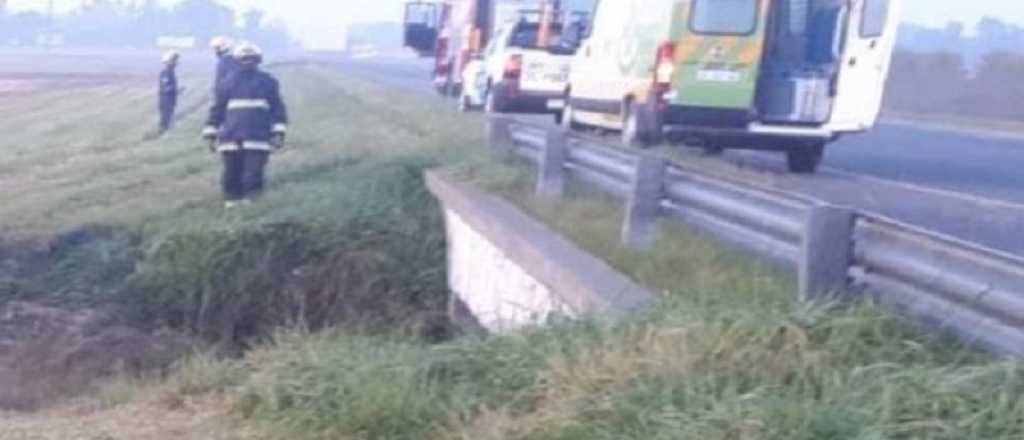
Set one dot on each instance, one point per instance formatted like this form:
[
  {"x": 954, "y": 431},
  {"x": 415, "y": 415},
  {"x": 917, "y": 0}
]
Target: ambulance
[{"x": 779, "y": 75}]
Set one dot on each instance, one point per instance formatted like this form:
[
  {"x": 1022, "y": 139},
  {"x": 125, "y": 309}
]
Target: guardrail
[{"x": 972, "y": 291}]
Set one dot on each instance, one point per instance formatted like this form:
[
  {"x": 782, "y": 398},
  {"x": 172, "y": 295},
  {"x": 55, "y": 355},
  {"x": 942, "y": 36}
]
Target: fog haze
[{"x": 319, "y": 23}]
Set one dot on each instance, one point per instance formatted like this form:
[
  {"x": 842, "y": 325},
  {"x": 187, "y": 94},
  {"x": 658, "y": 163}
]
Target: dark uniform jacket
[
  {"x": 168, "y": 83},
  {"x": 226, "y": 66},
  {"x": 248, "y": 107}
]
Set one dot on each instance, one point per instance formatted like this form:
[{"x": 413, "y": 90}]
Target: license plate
[
  {"x": 718, "y": 75},
  {"x": 556, "y": 104},
  {"x": 556, "y": 77}
]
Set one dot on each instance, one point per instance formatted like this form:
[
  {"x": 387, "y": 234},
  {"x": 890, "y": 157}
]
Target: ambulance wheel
[
  {"x": 640, "y": 127},
  {"x": 712, "y": 147},
  {"x": 805, "y": 158}
]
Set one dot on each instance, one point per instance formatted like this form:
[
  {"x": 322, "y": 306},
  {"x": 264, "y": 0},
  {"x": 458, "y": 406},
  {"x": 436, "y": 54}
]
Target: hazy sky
[{"x": 318, "y": 22}]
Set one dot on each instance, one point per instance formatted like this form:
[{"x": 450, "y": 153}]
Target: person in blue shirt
[
  {"x": 226, "y": 62},
  {"x": 168, "y": 91}
]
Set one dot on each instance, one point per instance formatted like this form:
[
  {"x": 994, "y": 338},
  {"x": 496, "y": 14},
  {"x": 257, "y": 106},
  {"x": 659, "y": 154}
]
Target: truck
[
  {"x": 454, "y": 32},
  {"x": 781, "y": 75}
]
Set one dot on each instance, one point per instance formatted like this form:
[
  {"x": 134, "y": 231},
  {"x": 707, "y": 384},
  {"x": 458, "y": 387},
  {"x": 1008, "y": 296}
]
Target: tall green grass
[
  {"x": 346, "y": 234},
  {"x": 360, "y": 246},
  {"x": 728, "y": 353}
]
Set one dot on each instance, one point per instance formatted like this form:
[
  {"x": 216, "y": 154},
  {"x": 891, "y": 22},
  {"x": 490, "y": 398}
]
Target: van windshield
[{"x": 724, "y": 17}]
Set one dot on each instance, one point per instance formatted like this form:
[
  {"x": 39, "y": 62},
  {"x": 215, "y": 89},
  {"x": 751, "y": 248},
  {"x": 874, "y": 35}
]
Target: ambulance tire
[
  {"x": 806, "y": 158},
  {"x": 641, "y": 126}
]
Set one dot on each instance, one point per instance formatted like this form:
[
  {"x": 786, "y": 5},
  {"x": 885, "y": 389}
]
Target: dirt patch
[{"x": 47, "y": 353}]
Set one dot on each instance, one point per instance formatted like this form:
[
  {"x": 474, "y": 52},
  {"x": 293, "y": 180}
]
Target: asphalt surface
[{"x": 969, "y": 186}]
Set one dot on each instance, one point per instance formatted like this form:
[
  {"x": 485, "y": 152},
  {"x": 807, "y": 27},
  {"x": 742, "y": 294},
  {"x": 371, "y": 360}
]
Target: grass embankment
[
  {"x": 140, "y": 223},
  {"x": 346, "y": 235},
  {"x": 728, "y": 354}
]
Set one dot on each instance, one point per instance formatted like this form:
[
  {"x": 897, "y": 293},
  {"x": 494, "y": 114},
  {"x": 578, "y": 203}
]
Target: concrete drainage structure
[{"x": 508, "y": 271}]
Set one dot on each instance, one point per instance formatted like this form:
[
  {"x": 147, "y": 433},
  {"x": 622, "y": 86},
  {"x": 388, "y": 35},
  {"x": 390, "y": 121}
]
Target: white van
[
  {"x": 514, "y": 74},
  {"x": 785, "y": 75}
]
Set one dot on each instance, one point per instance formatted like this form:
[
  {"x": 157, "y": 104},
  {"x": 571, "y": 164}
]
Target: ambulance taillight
[{"x": 664, "y": 71}]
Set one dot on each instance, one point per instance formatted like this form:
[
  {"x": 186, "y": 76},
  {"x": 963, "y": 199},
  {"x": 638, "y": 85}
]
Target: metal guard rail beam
[{"x": 972, "y": 291}]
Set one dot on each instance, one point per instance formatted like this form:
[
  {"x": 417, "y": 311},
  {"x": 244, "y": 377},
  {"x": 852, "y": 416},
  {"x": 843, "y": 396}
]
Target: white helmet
[
  {"x": 170, "y": 56},
  {"x": 248, "y": 53},
  {"x": 220, "y": 44}
]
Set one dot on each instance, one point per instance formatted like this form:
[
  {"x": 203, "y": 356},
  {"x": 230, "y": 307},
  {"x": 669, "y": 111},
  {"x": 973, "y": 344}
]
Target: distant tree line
[
  {"x": 990, "y": 35},
  {"x": 941, "y": 82},
  {"x": 115, "y": 23}
]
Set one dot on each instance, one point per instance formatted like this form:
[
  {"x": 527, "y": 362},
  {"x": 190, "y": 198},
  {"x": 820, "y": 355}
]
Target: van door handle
[{"x": 853, "y": 62}]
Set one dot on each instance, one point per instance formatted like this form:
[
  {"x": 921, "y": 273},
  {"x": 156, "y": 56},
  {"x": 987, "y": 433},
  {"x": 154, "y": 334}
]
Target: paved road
[
  {"x": 988, "y": 166},
  {"x": 968, "y": 186}
]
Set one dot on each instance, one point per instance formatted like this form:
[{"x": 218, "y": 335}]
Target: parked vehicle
[
  {"x": 423, "y": 22},
  {"x": 786, "y": 75},
  {"x": 521, "y": 71},
  {"x": 462, "y": 29}
]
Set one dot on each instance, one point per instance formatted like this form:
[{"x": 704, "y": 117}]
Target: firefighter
[
  {"x": 168, "y": 90},
  {"x": 226, "y": 63},
  {"x": 248, "y": 121}
]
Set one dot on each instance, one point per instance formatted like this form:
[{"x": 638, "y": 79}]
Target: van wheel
[
  {"x": 567, "y": 118},
  {"x": 640, "y": 127},
  {"x": 805, "y": 158},
  {"x": 464, "y": 105},
  {"x": 493, "y": 102},
  {"x": 444, "y": 89}
]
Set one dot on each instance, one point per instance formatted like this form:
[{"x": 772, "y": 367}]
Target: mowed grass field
[
  {"x": 348, "y": 229},
  {"x": 76, "y": 156}
]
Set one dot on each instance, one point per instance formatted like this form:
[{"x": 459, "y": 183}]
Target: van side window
[
  {"x": 876, "y": 14},
  {"x": 724, "y": 17}
]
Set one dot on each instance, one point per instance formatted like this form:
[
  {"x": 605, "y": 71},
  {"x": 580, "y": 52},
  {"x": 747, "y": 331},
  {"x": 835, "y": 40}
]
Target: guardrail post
[
  {"x": 827, "y": 251},
  {"x": 499, "y": 137},
  {"x": 644, "y": 203},
  {"x": 553, "y": 155}
]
